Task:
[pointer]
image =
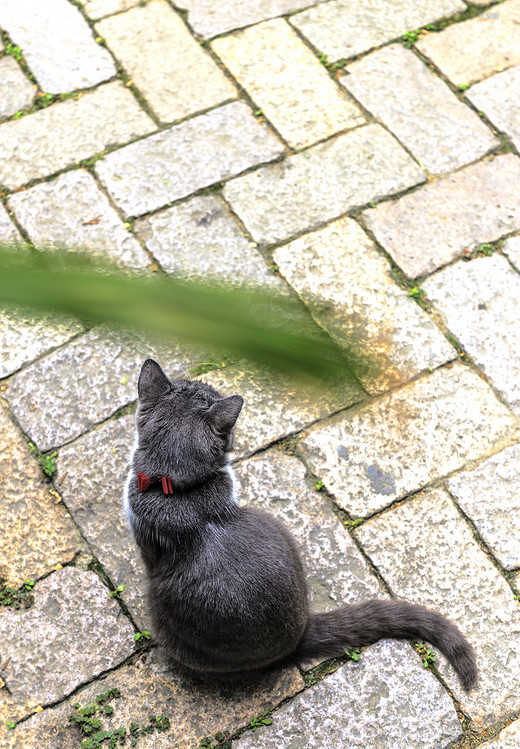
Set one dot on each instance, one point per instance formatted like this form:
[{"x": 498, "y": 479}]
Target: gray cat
[{"x": 227, "y": 592}]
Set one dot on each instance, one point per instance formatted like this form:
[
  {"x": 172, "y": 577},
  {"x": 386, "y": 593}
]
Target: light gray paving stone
[
  {"x": 508, "y": 738},
  {"x": 326, "y": 266},
  {"x": 195, "y": 154},
  {"x": 430, "y": 227},
  {"x": 322, "y": 183},
  {"x": 472, "y": 299},
  {"x": 490, "y": 496},
  {"x": 70, "y": 390},
  {"x": 305, "y": 105},
  {"x": 499, "y": 98},
  {"x": 335, "y": 570},
  {"x": 211, "y": 17},
  {"x": 491, "y": 42},
  {"x": 91, "y": 475},
  {"x": 274, "y": 408},
  {"x": 386, "y": 699},
  {"x": 427, "y": 553},
  {"x": 49, "y": 140},
  {"x": 16, "y": 92},
  {"x": 173, "y": 90},
  {"x": 72, "y": 212},
  {"x": 419, "y": 108},
  {"x": 8, "y": 231},
  {"x": 73, "y": 631},
  {"x": 202, "y": 237},
  {"x": 512, "y": 249},
  {"x": 97, "y": 9},
  {"x": 343, "y": 29},
  {"x": 57, "y": 43},
  {"x": 400, "y": 442}
]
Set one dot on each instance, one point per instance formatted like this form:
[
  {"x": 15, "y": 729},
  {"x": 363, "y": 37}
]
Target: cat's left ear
[
  {"x": 152, "y": 381},
  {"x": 224, "y": 413}
]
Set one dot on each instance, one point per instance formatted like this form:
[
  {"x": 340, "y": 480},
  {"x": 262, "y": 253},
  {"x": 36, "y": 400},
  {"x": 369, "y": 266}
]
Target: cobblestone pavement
[{"x": 363, "y": 153}]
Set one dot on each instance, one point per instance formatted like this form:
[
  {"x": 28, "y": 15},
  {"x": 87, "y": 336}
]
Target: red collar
[{"x": 143, "y": 482}]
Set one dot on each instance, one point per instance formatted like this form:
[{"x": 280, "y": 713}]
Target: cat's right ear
[{"x": 152, "y": 382}]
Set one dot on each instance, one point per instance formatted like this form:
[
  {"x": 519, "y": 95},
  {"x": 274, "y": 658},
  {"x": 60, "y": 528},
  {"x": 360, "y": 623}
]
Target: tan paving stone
[
  {"x": 508, "y": 738},
  {"x": 305, "y": 105},
  {"x": 375, "y": 454},
  {"x": 41, "y": 143},
  {"x": 37, "y": 532},
  {"x": 16, "y": 91},
  {"x": 321, "y": 183},
  {"x": 499, "y": 98},
  {"x": 339, "y": 267},
  {"x": 430, "y": 227},
  {"x": 418, "y": 107},
  {"x": 174, "y": 73},
  {"x": 343, "y": 29},
  {"x": 427, "y": 553},
  {"x": 490, "y": 42},
  {"x": 97, "y": 9}
]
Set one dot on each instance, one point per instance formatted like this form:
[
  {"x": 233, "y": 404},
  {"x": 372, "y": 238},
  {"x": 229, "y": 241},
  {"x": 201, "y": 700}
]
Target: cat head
[{"x": 185, "y": 427}]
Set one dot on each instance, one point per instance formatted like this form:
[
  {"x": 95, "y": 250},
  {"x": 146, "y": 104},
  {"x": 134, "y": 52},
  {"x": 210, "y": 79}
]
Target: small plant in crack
[
  {"x": 486, "y": 249},
  {"x": 261, "y": 720},
  {"x": 17, "y": 598},
  {"x": 13, "y": 50},
  {"x": 354, "y": 654},
  {"x": 220, "y": 740},
  {"x": 410, "y": 37},
  {"x": 46, "y": 462},
  {"x": 117, "y": 592},
  {"x": 426, "y": 654},
  {"x": 319, "y": 486}
]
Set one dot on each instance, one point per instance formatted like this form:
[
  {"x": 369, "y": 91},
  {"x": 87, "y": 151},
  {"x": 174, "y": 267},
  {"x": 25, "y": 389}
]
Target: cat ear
[
  {"x": 152, "y": 381},
  {"x": 224, "y": 413}
]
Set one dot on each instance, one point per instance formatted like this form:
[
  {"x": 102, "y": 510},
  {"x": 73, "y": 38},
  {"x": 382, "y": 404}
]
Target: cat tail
[{"x": 328, "y": 635}]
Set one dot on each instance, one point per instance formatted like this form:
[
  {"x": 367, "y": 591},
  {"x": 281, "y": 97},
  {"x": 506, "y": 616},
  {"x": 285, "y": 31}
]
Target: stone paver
[
  {"x": 396, "y": 87},
  {"x": 339, "y": 266},
  {"x": 70, "y": 606},
  {"x": 490, "y": 42},
  {"x": 8, "y": 231},
  {"x": 37, "y": 532},
  {"x": 48, "y": 397},
  {"x": 512, "y": 249},
  {"x": 57, "y": 44},
  {"x": 402, "y": 441},
  {"x": 490, "y": 496},
  {"x": 16, "y": 91},
  {"x": 195, "y": 154},
  {"x": 49, "y": 140},
  {"x": 357, "y": 706},
  {"x": 471, "y": 300},
  {"x": 274, "y": 408},
  {"x": 152, "y": 61},
  {"x": 509, "y": 738},
  {"x": 305, "y": 105},
  {"x": 430, "y": 227},
  {"x": 342, "y": 29},
  {"x": 202, "y": 237},
  {"x": 97, "y": 9},
  {"x": 499, "y": 98},
  {"x": 71, "y": 211},
  {"x": 427, "y": 553},
  {"x": 322, "y": 183}
]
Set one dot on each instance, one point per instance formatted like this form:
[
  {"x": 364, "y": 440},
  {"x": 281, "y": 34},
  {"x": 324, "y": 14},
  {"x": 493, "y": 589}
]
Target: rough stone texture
[
  {"x": 195, "y": 154},
  {"x": 48, "y": 140},
  {"x": 512, "y": 249},
  {"x": 91, "y": 475},
  {"x": 305, "y": 105},
  {"x": 343, "y": 29},
  {"x": 149, "y": 41},
  {"x": 70, "y": 390},
  {"x": 16, "y": 92},
  {"x": 508, "y": 738},
  {"x": 336, "y": 571},
  {"x": 150, "y": 688},
  {"x": 37, "y": 533},
  {"x": 100, "y": 8},
  {"x": 211, "y": 17},
  {"x": 499, "y": 98},
  {"x": 339, "y": 266},
  {"x": 490, "y": 42},
  {"x": 273, "y": 408},
  {"x": 399, "y": 443},
  {"x": 57, "y": 43},
  {"x": 440, "y": 131},
  {"x": 430, "y": 227},
  {"x": 52, "y": 647},
  {"x": 427, "y": 553},
  {"x": 385, "y": 700},
  {"x": 471, "y": 300},
  {"x": 490, "y": 496},
  {"x": 202, "y": 237},
  {"x": 71, "y": 211},
  {"x": 8, "y": 231},
  {"x": 24, "y": 336},
  {"x": 322, "y": 183}
]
